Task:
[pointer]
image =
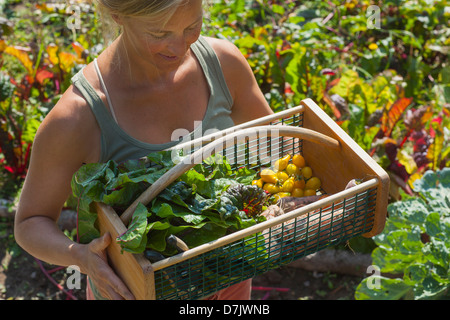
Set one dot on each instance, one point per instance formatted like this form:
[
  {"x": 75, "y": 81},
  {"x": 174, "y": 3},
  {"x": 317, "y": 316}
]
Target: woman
[{"x": 157, "y": 76}]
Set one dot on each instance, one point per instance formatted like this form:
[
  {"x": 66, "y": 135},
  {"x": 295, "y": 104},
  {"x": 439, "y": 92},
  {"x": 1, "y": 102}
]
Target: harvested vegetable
[
  {"x": 282, "y": 163},
  {"x": 298, "y": 160},
  {"x": 314, "y": 183},
  {"x": 204, "y": 204},
  {"x": 324, "y": 225},
  {"x": 197, "y": 208},
  {"x": 289, "y": 174},
  {"x": 269, "y": 176},
  {"x": 309, "y": 192},
  {"x": 250, "y": 199},
  {"x": 306, "y": 172},
  {"x": 271, "y": 188}
]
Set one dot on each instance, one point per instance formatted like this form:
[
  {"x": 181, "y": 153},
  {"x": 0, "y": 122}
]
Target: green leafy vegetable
[
  {"x": 196, "y": 207},
  {"x": 414, "y": 244},
  {"x": 251, "y": 199},
  {"x": 135, "y": 238}
]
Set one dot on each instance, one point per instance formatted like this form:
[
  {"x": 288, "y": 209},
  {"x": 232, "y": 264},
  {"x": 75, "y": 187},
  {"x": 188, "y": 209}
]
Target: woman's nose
[{"x": 179, "y": 45}]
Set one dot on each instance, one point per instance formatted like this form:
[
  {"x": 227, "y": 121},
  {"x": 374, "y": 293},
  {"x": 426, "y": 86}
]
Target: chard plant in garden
[
  {"x": 35, "y": 70},
  {"x": 388, "y": 87}
]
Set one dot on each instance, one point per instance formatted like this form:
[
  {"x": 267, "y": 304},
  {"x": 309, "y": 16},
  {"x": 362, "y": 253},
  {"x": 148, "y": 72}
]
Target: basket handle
[{"x": 268, "y": 131}]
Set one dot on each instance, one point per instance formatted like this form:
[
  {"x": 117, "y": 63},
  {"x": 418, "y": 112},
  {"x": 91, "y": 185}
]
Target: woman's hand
[{"x": 101, "y": 274}]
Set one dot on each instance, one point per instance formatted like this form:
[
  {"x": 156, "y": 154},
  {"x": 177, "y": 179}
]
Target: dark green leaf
[
  {"x": 135, "y": 238},
  {"x": 415, "y": 243},
  {"x": 388, "y": 289}
]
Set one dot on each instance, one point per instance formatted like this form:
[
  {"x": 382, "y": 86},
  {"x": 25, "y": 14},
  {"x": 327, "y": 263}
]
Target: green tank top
[{"x": 117, "y": 145}]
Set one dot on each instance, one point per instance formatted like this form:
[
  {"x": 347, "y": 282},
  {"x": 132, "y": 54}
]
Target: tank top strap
[
  {"x": 212, "y": 68},
  {"x": 101, "y": 113},
  {"x": 93, "y": 99}
]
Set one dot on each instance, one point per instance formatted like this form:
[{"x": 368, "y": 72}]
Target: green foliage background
[{"x": 380, "y": 69}]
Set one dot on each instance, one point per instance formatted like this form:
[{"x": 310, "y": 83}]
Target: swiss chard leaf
[
  {"x": 135, "y": 238},
  {"x": 192, "y": 207}
]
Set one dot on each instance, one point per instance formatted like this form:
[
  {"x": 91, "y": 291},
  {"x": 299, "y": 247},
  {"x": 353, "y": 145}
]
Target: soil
[{"x": 22, "y": 277}]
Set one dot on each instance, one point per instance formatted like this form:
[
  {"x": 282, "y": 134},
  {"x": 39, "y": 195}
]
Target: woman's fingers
[
  {"x": 113, "y": 288},
  {"x": 118, "y": 291},
  {"x": 99, "y": 245},
  {"x": 107, "y": 282}
]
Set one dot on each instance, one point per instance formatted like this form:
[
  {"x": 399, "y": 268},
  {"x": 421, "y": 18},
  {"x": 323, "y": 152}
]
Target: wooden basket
[{"x": 343, "y": 214}]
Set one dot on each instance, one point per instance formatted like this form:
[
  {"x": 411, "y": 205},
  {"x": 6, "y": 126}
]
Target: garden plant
[{"x": 380, "y": 69}]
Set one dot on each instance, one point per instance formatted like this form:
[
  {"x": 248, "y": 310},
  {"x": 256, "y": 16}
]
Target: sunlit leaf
[
  {"x": 394, "y": 114},
  {"x": 332, "y": 105},
  {"x": 45, "y": 7},
  {"x": 388, "y": 289},
  {"x": 52, "y": 51},
  {"x": 346, "y": 81},
  {"x": 68, "y": 61},
  {"x": 2, "y": 45},
  {"x": 79, "y": 49},
  {"x": 414, "y": 244},
  {"x": 21, "y": 54},
  {"x": 42, "y": 75},
  {"x": 407, "y": 161},
  {"x": 64, "y": 60},
  {"x": 413, "y": 177},
  {"x": 435, "y": 149}
]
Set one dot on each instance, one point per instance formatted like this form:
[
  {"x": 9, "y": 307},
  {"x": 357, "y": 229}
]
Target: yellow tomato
[
  {"x": 280, "y": 195},
  {"x": 306, "y": 172},
  {"x": 309, "y": 192},
  {"x": 297, "y": 192},
  {"x": 288, "y": 185},
  {"x": 314, "y": 183},
  {"x": 299, "y": 183},
  {"x": 282, "y": 176},
  {"x": 298, "y": 160},
  {"x": 292, "y": 170},
  {"x": 282, "y": 163},
  {"x": 258, "y": 183},
  {"x": 268, "y": 175},
  {"x": 271, "y": 188}
]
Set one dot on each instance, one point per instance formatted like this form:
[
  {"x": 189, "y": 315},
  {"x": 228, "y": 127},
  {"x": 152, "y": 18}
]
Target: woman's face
[{"x": 164, "y": 45}]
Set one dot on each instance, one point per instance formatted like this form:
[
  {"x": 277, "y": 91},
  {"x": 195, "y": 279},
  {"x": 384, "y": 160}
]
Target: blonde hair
[{"x": 132, "y": 8}]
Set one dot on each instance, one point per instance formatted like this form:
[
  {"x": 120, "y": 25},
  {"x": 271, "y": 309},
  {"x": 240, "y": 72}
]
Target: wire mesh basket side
[
  {"x": 256, "y": 150},
  {"x": 278, "y": 245},
  {"x": 208, "y": 272}
]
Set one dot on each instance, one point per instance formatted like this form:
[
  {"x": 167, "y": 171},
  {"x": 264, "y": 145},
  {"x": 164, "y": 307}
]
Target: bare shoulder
[
  {"x": 226, "y": 51},
  {"x": 70, "y": 125},
  {"x": 235, "y": 67},
  {"x": 248, "y": 101}
]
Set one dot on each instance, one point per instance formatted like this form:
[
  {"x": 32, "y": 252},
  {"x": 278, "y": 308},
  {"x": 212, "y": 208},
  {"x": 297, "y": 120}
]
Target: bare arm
[{"x": 63, "y": 142}]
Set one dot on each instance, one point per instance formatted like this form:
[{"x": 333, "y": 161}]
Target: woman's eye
[
  {"x": 158, "y": 36},
  {"x": 192, "y": 29}
]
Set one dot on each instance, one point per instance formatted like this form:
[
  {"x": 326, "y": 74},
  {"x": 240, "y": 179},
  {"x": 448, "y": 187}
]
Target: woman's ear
[{"x": 117, "y": 18}]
